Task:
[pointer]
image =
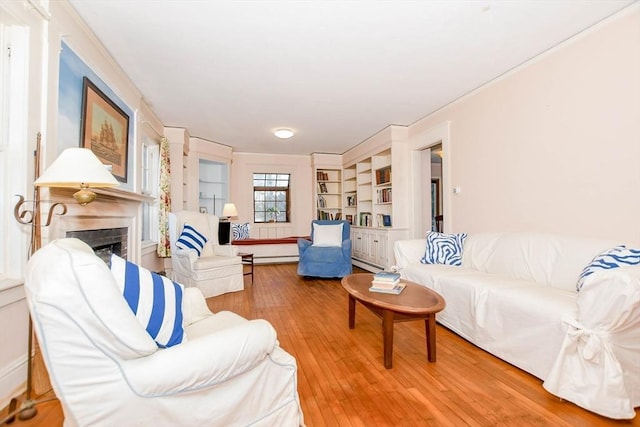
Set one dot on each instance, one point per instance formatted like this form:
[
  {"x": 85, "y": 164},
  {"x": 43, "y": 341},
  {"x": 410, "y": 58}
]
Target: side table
[{"x": 247, "y": 259}]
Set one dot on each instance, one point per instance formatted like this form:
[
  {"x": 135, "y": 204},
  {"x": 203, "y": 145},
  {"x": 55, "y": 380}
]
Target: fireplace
[
  {"x": 104, "y": 242},
  {"x": 111, "y": 224}
]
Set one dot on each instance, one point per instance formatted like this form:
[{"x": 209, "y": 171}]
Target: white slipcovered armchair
[
  {"x": 217, "y": 270},
  {"x": 108, "y": 371}
]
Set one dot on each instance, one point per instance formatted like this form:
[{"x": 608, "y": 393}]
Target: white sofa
[
  {"x": 217, "y": 270},
  {"x": 108, "y": 371},
  {"x": 515, "y": 297}
]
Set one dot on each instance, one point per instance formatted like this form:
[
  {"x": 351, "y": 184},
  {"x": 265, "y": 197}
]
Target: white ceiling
[{"x": 336, "y": 72}]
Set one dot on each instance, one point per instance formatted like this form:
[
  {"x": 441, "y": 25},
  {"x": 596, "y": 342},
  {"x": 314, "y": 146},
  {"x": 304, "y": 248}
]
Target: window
[
  {"x": 150, "y": 187},
  {"x": 14, "y": 72},
  {"x": 271, "y": 197}
]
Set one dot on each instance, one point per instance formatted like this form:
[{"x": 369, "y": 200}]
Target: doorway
[
  {"x": 430, "y": 181},
  {"x": 430, "y": 188},
  {"x": 437, "y": 218}
]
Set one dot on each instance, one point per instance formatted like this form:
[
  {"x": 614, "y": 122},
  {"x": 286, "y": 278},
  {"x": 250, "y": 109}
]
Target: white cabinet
[
  {"x": 372, "y": 248},
  {"x": 359, "y": 244}
]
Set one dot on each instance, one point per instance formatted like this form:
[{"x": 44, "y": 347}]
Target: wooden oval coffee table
[{"x": 415, "y": 302}]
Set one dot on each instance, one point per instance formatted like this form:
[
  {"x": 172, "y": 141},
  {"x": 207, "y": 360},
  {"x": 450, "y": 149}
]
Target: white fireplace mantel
[{"x": 112, "y": 208}]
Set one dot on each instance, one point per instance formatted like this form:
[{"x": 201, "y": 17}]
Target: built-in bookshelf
[
  {"x": 368, "y": 199},
  {"x": 382, "y": 186},
  {"x": 349, "y": 194},
  {"x": 329, "y": 194},
  {"x": 213, "y": 186}
]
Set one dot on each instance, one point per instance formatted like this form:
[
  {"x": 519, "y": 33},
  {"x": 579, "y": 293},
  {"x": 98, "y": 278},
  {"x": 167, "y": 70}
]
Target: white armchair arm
[
  {"x": 194, "y": 306},
  {"x": 186, "y": 258},
  {"x": 225, "y": 250},
  {"x": 202, "y": 362}
]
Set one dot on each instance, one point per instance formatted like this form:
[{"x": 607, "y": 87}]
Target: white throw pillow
[
  {"x": 155, "y": 300},
  {"x": 327, "y": 235}
]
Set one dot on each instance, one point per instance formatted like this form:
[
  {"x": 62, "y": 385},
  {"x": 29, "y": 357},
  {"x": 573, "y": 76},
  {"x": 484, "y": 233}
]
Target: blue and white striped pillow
[
  {"x": 619, "y": 256},
  {"x": 190, "y": 238},
  {"x": 443, "y": 248},
  {"x": 155, "y": 300},
  {"x": 240, "y": 231}
]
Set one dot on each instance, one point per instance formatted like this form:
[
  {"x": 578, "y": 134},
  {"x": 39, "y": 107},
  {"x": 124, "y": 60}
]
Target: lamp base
[
  {"x": 28, "y": 410},
  {"x": 224, "y": 232},
  {"x": 84, "y": 196}
]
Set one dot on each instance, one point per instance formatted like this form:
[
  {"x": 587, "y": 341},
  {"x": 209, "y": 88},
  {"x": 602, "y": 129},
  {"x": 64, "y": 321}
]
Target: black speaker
[{"x": 224, "y": 232}]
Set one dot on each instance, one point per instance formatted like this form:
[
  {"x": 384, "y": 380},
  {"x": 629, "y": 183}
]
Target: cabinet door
[
  {"x": 379, "y": 248},
  {"x": 358, "y": 242}
]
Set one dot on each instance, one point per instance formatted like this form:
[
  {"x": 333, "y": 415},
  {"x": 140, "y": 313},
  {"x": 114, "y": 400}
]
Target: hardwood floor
[{"x": 342, "y": 381}]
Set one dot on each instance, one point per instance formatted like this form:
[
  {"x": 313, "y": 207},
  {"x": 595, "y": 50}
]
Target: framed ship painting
[{"x": 104, "y": 129}]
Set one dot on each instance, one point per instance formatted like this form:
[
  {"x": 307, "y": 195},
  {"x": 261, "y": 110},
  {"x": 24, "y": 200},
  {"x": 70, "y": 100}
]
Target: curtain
[{"x": 164, "y": 249}]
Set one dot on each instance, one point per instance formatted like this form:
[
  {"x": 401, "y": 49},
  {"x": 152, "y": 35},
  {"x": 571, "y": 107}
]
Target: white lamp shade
[
  {"x": 76, "y": 168},
  {"x": 229, "y": 210}
]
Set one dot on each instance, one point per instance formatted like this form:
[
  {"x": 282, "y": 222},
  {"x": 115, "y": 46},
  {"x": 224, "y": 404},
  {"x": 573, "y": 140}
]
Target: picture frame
[{"x": 104, "y": 129}]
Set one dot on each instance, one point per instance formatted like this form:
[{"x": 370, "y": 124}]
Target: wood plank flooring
[{"x": 342, "y": 380}]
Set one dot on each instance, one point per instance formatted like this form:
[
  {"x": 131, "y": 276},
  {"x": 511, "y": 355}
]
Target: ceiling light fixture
[{"x": 283, "y": 133}]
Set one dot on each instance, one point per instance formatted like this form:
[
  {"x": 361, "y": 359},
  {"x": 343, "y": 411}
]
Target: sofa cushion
[
  {"x": 240, "y": 231},
  {"x": 190, "y": 238},
  {"x": 155, "y": 300},
  {"x": 546, "y": 259},
  {"x": 327, "y": 235},
  {"x": 444, "y": 248},
  {"x": 618, "y": 256}
]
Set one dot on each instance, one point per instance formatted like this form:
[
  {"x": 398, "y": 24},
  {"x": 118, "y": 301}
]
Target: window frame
[
  {"x": 14, "y": 123},
  {"x": 261, "y": 205},
  {"x": 150, "y": 186}
]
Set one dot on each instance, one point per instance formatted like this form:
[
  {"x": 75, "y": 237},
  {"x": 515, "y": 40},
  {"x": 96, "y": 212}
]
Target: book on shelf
[
  {"x": 322, "y": 176},
  {"x": 365, "y": 219},
  {"x": 383, "y": 176},
  {"x": 384, "y": 284},
  {"x": 386, "y": 276},
  {"x": 394, "y": 291}
]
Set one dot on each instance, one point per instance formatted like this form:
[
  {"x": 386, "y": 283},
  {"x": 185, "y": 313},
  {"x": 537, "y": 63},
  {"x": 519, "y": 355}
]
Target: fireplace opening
[{"x": 104, "y": 242}]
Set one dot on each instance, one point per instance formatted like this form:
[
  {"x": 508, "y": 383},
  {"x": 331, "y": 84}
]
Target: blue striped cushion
[
  {"x": 619, "y": 256},
  {"x": 155, "y": 300},
  {"x": 190, "y": 238},
  {"x": 240, "y": 231},
  {"x": 443, "y": 248}
]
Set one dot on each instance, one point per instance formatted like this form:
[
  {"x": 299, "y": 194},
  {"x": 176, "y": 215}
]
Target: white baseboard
[{"x": 13, "y": 381}]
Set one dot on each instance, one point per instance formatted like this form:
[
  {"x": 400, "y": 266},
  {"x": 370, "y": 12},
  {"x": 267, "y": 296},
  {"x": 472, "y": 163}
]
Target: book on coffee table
[
  {"x": 386, "y": 276},
  {"x": 384, "y": 284},
  {"x": 395, "y": 290}
]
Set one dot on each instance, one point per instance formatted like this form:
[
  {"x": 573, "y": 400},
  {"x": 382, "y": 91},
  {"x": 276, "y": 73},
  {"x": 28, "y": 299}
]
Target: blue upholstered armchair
[{"x": 328, "y": 254}]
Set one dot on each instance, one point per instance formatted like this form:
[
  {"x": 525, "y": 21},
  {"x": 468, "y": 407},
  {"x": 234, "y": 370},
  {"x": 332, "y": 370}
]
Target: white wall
[
  {"x": 45, "y": 43},
  {"x": 554, "y": 145},
  {"x": 302, "y": 205}
]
